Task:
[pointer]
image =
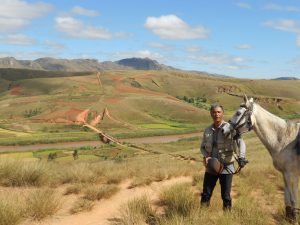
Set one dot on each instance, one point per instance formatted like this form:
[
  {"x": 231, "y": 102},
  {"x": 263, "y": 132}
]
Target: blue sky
[{"x": 246, "y": 39}]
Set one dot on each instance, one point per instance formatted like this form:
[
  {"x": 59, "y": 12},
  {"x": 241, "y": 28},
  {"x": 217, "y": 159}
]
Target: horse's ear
[{"x": 245, "y": 98}]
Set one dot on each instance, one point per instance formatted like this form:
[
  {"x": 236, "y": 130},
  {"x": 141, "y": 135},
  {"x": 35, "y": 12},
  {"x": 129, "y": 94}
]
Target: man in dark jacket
[{"x": 216, "y": 147}]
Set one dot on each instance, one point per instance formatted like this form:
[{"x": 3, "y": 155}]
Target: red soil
[
  {"x": 112, "y": 100},
  {"x": 123, "y": 88},
  {"x": 64, "y": 116},
  {"x": 16, "y": 90}
]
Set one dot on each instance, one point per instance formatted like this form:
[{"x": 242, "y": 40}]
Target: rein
[
  {"x": 233, "y": 139},
  {"x": 237, "y": 171}
]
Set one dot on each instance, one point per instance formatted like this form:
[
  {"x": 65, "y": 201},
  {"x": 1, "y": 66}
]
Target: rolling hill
[{"x": 136, "y": 102}]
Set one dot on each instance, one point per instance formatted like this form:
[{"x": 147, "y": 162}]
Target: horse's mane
[{"x": 292, "y": 128}]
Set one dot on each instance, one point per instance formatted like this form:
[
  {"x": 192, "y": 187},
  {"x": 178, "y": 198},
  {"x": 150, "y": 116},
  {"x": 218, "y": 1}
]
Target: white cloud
[
  {"x": 84, "y": 12},
  {"x": 218, "y": 58},
  {"x": 28, "y": 55},
  {"x": 15, "y": 14},
  {"x": 17, "y": 39},
  {"x": 75, "y": 28},
  {"x": 139, "y": 54},
  {"x": 54, "y": 45},
  {"x": 298, "y": 41},
  {"x": 172, "y": 27},
  {"x": 244, "y": 46},
  {"x": 12, "y": 24},
  {"x": 244, "y": 5},
  {"x": 276, "y": 7},
  {"x": 226, "y": 61},
  {"x": 193, "y": 49},
  {"x": 233, "y": 67},
  {"x": 284, "y": 25}
]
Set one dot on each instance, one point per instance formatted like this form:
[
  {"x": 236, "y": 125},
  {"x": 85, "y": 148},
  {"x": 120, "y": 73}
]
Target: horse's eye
[{"x": 238, "y": 113}]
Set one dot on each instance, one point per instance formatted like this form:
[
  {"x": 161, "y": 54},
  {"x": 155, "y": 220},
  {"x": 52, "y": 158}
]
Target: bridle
[
  {"x": 235, "y": 127},
  {"x": 247, "y": 114}
]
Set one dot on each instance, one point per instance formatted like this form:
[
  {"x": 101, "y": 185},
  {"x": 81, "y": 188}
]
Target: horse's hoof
[{"x": 290, "y": 214}]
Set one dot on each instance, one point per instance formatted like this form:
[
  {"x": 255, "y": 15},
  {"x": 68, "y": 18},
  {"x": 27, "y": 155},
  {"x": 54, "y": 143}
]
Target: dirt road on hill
[{"x": 78, "y": 144}]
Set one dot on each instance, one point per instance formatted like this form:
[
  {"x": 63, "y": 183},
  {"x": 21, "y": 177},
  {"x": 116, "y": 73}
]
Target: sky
[{"x": 255, "y": 39}]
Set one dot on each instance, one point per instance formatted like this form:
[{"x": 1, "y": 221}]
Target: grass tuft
[
  {"x": 137, "y": 211},
  {"x": 178, "y": 199},
  {"x": 11, "y": 209},
  {"x": 82, "y": 205},
  {"x": 95, "y": 192},
  {"x": 22, "y": 173},
  {"x": 42, "y": 203}
]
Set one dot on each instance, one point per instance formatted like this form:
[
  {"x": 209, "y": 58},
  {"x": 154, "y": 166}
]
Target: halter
[{"x": 248, "y": 121}]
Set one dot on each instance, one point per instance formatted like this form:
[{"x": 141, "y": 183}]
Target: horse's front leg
[{"x": 291, "y": 195}]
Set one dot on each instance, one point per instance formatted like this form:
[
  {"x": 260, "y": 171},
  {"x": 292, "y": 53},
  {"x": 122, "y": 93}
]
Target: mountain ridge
[{"x": 82, "y": 65}]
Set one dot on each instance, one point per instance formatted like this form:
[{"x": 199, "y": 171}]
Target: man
[{"x": 216, "y": 146}]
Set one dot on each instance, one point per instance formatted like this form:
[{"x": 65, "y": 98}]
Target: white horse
[{"x": 281, "y": 138}]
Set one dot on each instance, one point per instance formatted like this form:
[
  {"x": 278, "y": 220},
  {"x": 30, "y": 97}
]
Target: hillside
[
  {"x": 286, "y": 78},
  {"x": 133, "y": 102}
]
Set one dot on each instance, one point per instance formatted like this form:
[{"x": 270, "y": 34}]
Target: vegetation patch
[
  {"x": 103, "y": 192},
  {"x": 42, "y": 203},
  {"x": 137, "y": 211},
  {"x": 82, "y": 205},
  {"x": 11, "y": 209},
  {"x": 200, "y": 102}
]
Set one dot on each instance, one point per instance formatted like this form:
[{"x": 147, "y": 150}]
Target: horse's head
[{"x": 241, "y": 121}]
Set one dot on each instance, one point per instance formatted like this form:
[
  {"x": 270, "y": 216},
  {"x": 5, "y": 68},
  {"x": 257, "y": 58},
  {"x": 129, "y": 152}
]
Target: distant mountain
[
  {"x": 286, "y": 78},
  {"x": 80, "y": 65},
  {"x": 142, "y": 64}
]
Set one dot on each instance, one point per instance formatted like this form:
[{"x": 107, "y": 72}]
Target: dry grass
[
  {"x": 82, "y": 205},
  {"x": 137, "y": 211},
  {"x": 20, "y": 173},
  {"x": 74, "y": 189},
  {"x": 257, "y": 191},
  {"x": 96, "y": 192},
  {"x": 178, "y": 199},
  {"x": 11, "y": 209},
  {"x": 42, "y": 203}
]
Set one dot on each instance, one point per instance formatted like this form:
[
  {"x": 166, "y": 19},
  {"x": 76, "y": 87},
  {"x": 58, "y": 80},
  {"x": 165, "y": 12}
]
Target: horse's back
[{"x": 298, "y": 140}]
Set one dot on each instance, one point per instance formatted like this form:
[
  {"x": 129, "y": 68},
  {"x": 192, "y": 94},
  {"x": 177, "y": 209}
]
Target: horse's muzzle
[{"x": 226, "y": 129}]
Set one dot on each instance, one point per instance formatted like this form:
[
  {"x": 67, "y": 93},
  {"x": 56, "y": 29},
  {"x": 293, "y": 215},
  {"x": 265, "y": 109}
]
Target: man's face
[{"x": 217, "y": 115}]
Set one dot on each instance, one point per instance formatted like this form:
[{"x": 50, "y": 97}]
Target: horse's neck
[{"x": 269, "y": 129}]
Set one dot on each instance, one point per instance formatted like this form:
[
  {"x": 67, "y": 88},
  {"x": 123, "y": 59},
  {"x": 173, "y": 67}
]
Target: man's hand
[
  {"x": 205, "y": 159},
  {"x": 242, "y": 162}
]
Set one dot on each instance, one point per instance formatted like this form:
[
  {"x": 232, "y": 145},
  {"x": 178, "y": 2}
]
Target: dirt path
[
  {"x": 154, "y": 139},
  {"x": 107, "y": 210}
]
